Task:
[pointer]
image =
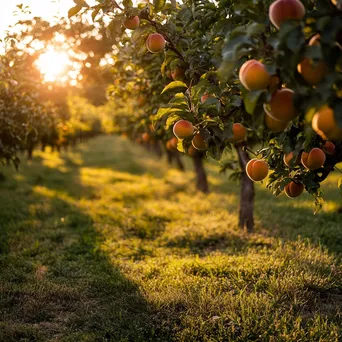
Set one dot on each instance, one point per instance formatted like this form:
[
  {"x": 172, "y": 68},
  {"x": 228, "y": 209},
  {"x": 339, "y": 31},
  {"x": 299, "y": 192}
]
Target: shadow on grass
[
  {"x": 289, "y": 218},
  {"x": 55, "y": 282}
]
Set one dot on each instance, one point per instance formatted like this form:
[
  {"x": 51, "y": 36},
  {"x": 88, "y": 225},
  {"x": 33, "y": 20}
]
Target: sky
[{"x": 39, "y": 8}]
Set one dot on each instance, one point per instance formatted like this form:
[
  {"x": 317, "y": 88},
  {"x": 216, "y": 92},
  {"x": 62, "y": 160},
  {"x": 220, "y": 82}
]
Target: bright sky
[{"x": 39, "y": 8}]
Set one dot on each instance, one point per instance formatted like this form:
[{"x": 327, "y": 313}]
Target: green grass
[{"x": 106, "y": 243}]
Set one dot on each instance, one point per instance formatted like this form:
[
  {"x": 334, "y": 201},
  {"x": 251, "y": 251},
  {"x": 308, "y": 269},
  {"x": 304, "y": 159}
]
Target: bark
[
  {"x": 29, "y": 152},
  {"x": 246, "y": 211},
  {"x": 169, "y": 157},
  {"x": 157, "y": 148},
  {"x": 201, "y": 177},
  {"x": 178, "y": 160}
]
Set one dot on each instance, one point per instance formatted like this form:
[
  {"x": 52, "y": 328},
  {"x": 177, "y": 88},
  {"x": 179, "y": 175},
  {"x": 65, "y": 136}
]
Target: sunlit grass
[{"x": 107, "y": 243}]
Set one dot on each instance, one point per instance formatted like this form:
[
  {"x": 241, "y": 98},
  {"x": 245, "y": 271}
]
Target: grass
[{"x": 106, "y": 243}]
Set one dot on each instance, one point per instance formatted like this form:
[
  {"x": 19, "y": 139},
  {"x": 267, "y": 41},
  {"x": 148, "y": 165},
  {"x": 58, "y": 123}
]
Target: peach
[
  {"x": 289, "y": 160},
  {"x": 145, "y": 137},
  {"x": 329, "y": 148},
  {"x": 177, "y": 67},
  {"x": 275, "y": 125},
  {"x": 325, "y": 125},
  {"x": 313, "y": 73},
  {"x": 192, "y": 152},
  {"x": 281, "y": 105},
  {"x": 198, "y": 142},
  {"x": 283, "y": 10},
  {"x": 257, "y": 169},
  {"x": 131, "y": 23},
  {"x": 141, "y": 101},
  {"x": 174, "y": 142},
  {"x": 183, "y": 129},
  {"x": 315, "y": 40},
  {"x": 205, "y": 97},
  {"x": 239, "y": 132},
  {"x": 177, "y": 73},
  {"x": 294, "y": 189},
  {"x": 155, "y": 42},
  {"x": 254, "y": 76},
  {"x": 314, "y": 159}
]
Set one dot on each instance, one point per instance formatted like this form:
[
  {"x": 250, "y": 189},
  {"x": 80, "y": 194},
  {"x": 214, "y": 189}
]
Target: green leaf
[
  {"x": 180, "y": 101},
  {"x": 159, "y": 4},
  {"x": 95, "y": 13},
  {"x": 171, "y": 120},
  {"x": 163, "y": 111},
  {"x": 74, "y": 10},
  {"x": 339, "y": 184},
  {"x": 251, "y": 99},
  {"x": 173, "y": 85},
  {"x": 180, "y": 146},
  {"x": 114, "y": 28},
  {"x": 255, "y": 29},
  {"x": 81, "y": 3}
]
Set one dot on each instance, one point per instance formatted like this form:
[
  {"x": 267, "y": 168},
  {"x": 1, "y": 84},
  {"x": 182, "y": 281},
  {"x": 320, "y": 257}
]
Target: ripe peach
[
  {"x": 168, "y": 74},
  {"x": 141, "y": 101},
  {"x": 329, "y": 148},
  {"x": 177, "y": 73},
  {"x": 289, "y": 160},
  {"x": 283, "y": 10},
  {"x": 275, "y": 125},
  {"x": 198, "y": 142},
  {"x": 183, "y": 129},
  {"x": 131, "y": 23},
  {"x": 314, "y": 159},
  {"x": 325, "y": 125},
  {"x": 205, "y": 97},
  {"x": 155, "y": 42},
  {"x": 177, "y": 67},
  {"x": 174, "y": 142},
  {"x": 239, "y": 132},
  {"x": 168, "y": 145},
  {"x": 294, "y": 189},
  {"x": 313, "y": 73},
  {"x": 192, "y": 151},
  {"x": 145, "y": 137},
  {"x": 281, "y": 105},
  {"x": 257, "y": 169},
  {"x": 315, "y": 40},
  {"x": 254, "y": 76}
]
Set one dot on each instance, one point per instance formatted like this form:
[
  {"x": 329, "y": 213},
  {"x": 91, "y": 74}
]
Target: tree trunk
[
  {"x": 157, "y": 148},
  {"x": 201, "y": 177},
  {"x": 246, "y": 211},
  {"x": 178, "y": 160},
  {"x": 29, "y": 152},
  {"x": 169, "y": 157}
]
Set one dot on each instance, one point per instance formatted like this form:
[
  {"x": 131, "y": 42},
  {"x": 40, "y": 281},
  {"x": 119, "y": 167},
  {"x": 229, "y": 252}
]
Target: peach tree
[{"x": 260, "y": 77}]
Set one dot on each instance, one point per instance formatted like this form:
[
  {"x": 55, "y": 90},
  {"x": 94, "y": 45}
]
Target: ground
[{"x": 107, "y": 243}]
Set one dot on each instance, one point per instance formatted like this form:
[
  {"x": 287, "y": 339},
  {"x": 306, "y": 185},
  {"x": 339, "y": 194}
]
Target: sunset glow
[{"x": 53, "y": 65}]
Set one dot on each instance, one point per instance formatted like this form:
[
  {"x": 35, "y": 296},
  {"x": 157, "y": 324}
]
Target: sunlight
[{"x": 53, "y": 64}]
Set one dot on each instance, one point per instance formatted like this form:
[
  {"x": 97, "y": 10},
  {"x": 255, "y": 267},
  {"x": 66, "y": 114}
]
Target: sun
[{"x": 53, "y": 65}]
